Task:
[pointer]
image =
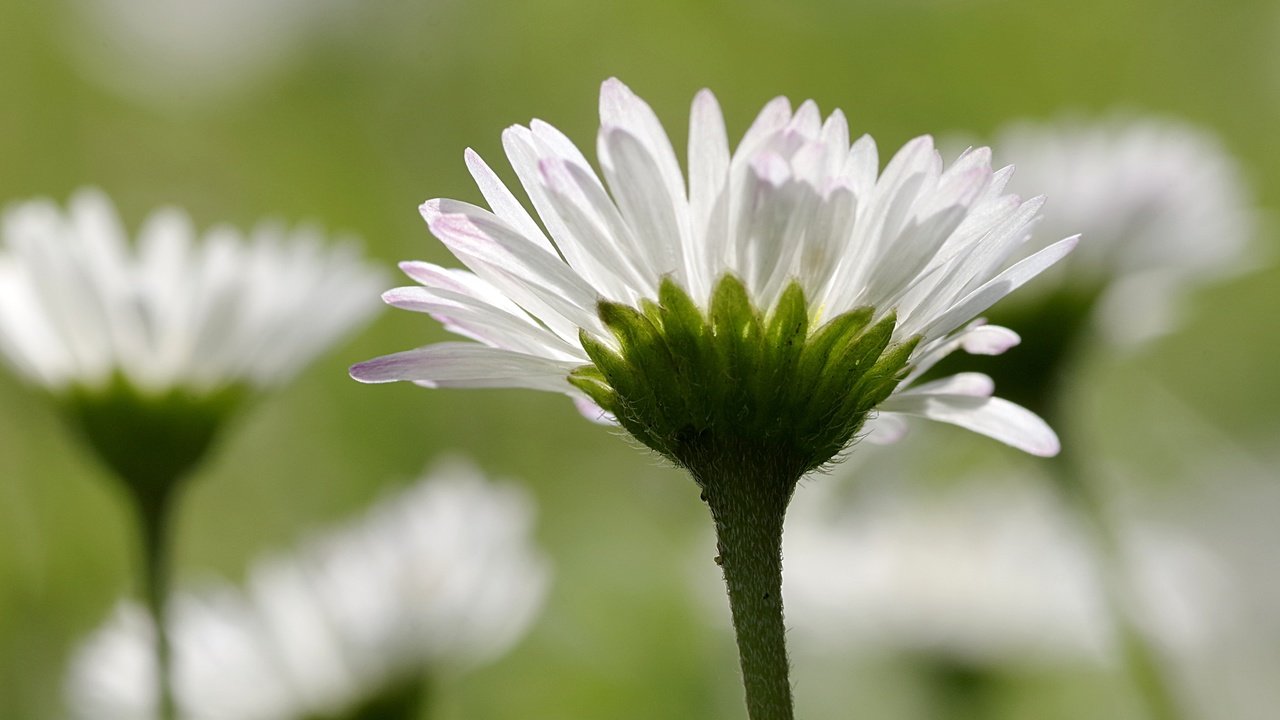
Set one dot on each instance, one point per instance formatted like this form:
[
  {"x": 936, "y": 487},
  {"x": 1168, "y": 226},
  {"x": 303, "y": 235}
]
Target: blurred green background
[{"x": 363, "y": 111}]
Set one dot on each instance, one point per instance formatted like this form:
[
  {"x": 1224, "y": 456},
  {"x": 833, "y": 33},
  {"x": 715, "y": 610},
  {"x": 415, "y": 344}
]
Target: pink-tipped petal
[
  {"x": 994, "y": 417},
  {"x": 467, "y": 365}
]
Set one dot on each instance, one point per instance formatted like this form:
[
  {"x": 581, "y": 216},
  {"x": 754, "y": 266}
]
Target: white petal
[
  {"x": 993, "y": 290},
  {"x": 773, "y": 117},
  {"x": 885, "y": 428},
  {"x": 862, "y": 165},
  {"x": 593, "y": 412},
  {"x": 503, "y": 203},
  {"x": 460, "y": 281},
  {"x": 487, "y": 244},
  {"x": 478, "y": 320},
  {"x": 977, "y": 339},
  {"x": 988, "y": 340},
  {"x": 467, "y": 365},
  {"x": 994, "y": 417},
  {"x": 523, "y": 152},
  {"x": 620, "y": 108},
  {"x": 987, "y": 242},
  {"x": 970, "y": 384},
  {"x": 835, "y": 141},
  {"x": 563, "y": 173},
  {"x": 807, "y": 122},
  {"x": 708, "y": 184},
  {"x": 652, "y": 207},
  {"x": 624, "y": 269}
]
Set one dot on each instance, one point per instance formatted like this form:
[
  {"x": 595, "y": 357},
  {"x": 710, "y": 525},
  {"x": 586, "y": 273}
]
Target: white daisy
[
  {"x": 983, "y": 573},
  {"x": 1162, "y": 205},
  {"x": 438, "y": 578},
  {"x": 796, "y": 205},
  {"x": 80, "y": 308},
  {"x": 182, "y": 52}
]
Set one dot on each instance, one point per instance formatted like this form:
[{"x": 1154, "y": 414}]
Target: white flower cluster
[
  {"x": 992, "y": 572},
  {"x": 78, "y": 305},
  {"x": 441, "y": 576},
  {"x": 1160, "y": 204}
]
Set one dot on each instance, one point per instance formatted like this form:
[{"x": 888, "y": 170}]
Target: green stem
[
  {"x": 748, "y": 515},
  {"x": 1146, "y": 667},
  {"x": 153, "y": 519},
  {"x": 959, "y": 690},
  {"x": 407, "y": 700}
]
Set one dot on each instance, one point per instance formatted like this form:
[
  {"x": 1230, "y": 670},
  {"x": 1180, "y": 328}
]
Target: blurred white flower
[
  {"x": 982, "y": 573},
  {"x": 79, "y": 307},
  {"x": 1161, "y": 206},
  {"x": 184, "y": 51},
  {"x": 440, "y": 577}
]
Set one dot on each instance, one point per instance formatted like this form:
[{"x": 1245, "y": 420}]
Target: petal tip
[
  {"x": 430, "y": 210},
  {"x": 360, "y": 373},
  {"x": 1050, "y": 448}
]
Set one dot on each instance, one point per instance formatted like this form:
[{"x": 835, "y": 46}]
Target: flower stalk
[
  {"x": 747, "y": 402},
  {"x": 1142, "y": 659},
  {"x": 1057, "y": 330},
  {"x": 743, "y": 324},
  {"x": 748, "y": 506},
  {"x": 152, "y": 443},
  {"x": 154, "y": 516}
]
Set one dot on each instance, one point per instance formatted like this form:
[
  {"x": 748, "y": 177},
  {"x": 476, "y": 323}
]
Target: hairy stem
[{"x": 748, "y": 515}]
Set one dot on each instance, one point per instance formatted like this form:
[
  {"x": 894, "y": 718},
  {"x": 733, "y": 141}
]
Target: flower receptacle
[{"x": 706, "y": 387}]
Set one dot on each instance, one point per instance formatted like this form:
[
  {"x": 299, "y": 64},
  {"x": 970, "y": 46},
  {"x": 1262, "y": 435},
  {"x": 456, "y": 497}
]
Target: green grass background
[{"x": 373, "y": 119}]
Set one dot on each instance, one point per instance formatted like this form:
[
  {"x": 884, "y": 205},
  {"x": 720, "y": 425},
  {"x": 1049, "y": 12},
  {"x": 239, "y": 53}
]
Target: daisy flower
[
  {"x": 984, "y": 578},
  {"x": 1163, "y": 205},
  {"x": 1163, "y": 208},
  {"x": 991, "y": 573},
  {"x": 80, "y": 308},
  {"x": 148, "y": 350},
  {"x": 744, "y": 324},
  {"x": 150, "y": 346},
  {"x": 439, "y": 578},
  {"x": 797, "y": 220},
  {"x": 189, "y": 52}
]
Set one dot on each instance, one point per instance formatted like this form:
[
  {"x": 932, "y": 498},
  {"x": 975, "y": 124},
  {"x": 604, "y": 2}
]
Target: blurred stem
[
  {"x": 408, "y": 700},
  {"x": 1060, "y": 327},
  {"x": 1140, "y": 654},
  {"x": 960, "y": 690},
  {"x": 154, "y": 513},
  {"x": 748, "y": 509}
]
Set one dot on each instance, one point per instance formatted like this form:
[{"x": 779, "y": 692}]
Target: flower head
[
  {"x": 150, "y": 346},
  {"x": 981, "y": 573},
  {"x": 440, "y": 577},
  {"x": 779, "y": 297},
  {"x": 81, "y": 308},
  {"x": 1163, "y": 206}
]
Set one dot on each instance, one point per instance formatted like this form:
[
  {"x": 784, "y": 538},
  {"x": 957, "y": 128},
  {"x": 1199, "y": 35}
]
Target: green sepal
[
  {"x": 150, "y": 441},
  {"x": 784, "y": 342},
  {"x": 634, "y": 397},
  {"x": 591, "y": 381},
  {"x": 840, "y": 331},
  {"x": 685, "y": 330},
  {"x": 737, "y": 332},
  {"x": 849, "y": 361},
  {"x": 702, "y": 388},
  {"x": 883, "y": 378}
]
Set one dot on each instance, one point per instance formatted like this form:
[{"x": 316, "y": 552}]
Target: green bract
[
  {"x": 699, "y": 388},
  {"x": 148, "y": 440}
]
